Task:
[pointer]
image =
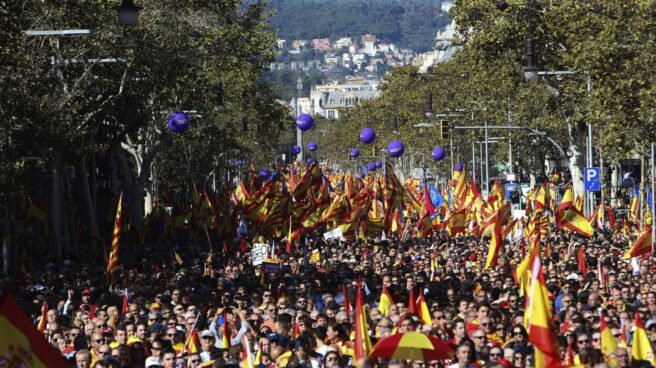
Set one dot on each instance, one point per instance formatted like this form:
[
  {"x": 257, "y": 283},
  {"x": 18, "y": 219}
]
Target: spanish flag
[
  {"x": 608, "y": 341},
  {"x": 385, "y": 302},
  {"x": 225, "y": 336},
  {"x": 422, "y": 306},
  {"x": 540, "y": 321},
  {"x": 642, "y": 246},
  {"x": 44, "y": 317},
  {"x": 21, "y": 345},
  {"x": 641, "y": 348},
  {"x": 193, "y": 342},
  {"x": 568, "y": 217},
  {"x": 362, "y": 342}
]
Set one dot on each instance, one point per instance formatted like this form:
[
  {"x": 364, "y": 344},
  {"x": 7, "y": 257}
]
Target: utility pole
[{"x": 299, "y": 132}]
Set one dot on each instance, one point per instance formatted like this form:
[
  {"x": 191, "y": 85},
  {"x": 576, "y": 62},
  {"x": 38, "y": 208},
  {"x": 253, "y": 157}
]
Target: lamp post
[
  {"x": 299, "y": 132},
  {"x": 531, "y": 72},
  {"x": 128, "y": 13}
]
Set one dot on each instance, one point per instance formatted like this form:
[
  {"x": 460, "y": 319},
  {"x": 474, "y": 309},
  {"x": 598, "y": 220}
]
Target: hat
[
  {"x": 156, "y": 327},
  {"x": 650, "y": 323},
  {"x": 155, "y": 306},
  {"x": 152, "y": 362},
  {"x": 572, "y": 276},
  {"x": 277, "y": 338},
  {"x": 207, "y": 333},
  {"x": 86, "y": 291}
]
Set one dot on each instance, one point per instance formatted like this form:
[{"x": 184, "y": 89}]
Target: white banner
[{"x": 259, "y": 253}]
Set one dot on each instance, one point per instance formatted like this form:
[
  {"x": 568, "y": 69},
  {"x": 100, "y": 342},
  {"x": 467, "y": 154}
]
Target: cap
[
  {"x": 650, "y": 323},
  {"x": 86, "y": 291},
  {"x": 156, "y": 327},
  {"x": 207, "y": 333},
  {"x": 152, "y": 362},
  {"x": 155, "y": 306},
  {"x": 572, "y": 276}
]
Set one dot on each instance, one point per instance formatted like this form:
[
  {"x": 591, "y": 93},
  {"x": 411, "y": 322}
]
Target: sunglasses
[
  {"x": 495, "y": 354},
  {"x": 583, "y": 341}
]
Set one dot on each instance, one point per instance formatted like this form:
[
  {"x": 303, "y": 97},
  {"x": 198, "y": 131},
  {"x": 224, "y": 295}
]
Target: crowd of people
[{"x": 299, "y": 316}]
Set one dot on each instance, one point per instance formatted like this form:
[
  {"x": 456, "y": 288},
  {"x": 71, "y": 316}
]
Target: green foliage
[
  {"x": 410, "y": 23},
  {"x": 59, "y": 104}
]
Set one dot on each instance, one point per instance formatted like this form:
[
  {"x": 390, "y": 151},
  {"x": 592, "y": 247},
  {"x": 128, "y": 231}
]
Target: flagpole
[{"x": 651, "y": 209}]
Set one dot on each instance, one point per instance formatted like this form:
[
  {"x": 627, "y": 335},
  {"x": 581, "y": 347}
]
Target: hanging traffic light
[{"x": 444, "y": 129}]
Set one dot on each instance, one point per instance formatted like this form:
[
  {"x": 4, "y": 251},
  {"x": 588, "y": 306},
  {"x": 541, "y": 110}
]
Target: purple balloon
[
  {"x": 178, "y": 122},
  {"x": 296, "y": 150},
  {"x": 310, "y": 161},
  {"x": 240, "y": 163},
  {"x": 264, "y": 173},
  {"x": 355, "y": 152},
  {"x": 438, "y": 153},
  {"x": 304, "y": 122},
  {"x": 395, "y": 148},
  {"x": 312, "y": 146},
  {"x": 367, "y": 135},
  {"x": 294, "y": 170},
  {"x": 371, "y": 166},
  {"x": 379, "y": 164},
  {"x": 458, "y": 166}
]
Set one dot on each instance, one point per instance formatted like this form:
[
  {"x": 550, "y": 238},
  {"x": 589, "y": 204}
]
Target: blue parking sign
[{"x": 592, "y": 179}]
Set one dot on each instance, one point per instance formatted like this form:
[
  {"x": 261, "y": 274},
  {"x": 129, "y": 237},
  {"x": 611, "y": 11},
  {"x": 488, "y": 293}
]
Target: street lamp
[
  {"x": 128, "y": 13},
  {"x": 531, "y": 68}
]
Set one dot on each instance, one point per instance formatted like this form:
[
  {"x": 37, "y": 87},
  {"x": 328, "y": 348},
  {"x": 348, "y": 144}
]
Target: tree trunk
[
  {"x": 8, "y": 248},
  {"x": 84, "y": 197},
  {"x": 129, "y": 190},
  {"x": 55, "y": 212},
  {"x": 576, "y": 132},
  {"x": 614, "y": 185}
]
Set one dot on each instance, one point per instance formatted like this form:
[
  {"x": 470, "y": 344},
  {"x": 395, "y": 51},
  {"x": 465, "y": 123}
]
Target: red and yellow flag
[
  {"x": 641, "y": 346},
  {"x": 385, "y": 302},
  {"x": 642, "y": 246},
  {"x": 44, "y": 317},
  {"x": 496, "y": 241},
  {"x": 540, "y": 320},
  {"x": 193, "y": 342},
  {"x": 112, "y": 262},
  {"x": 225, "y": 336},
  {"x": 21, "y": 345},
  {"x": 608, "y": 341},
  {"x": 568, "y": 217},
  {"x": 424, "y": 312},
  {"x": 362, "y": 341}
]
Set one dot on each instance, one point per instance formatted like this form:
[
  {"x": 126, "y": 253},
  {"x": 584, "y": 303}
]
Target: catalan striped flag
[
  {"x": 21, "y": 345},
  {"x": 112, "y": 262}
]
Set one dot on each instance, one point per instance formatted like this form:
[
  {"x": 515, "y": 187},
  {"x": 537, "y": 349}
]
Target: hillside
[{"x": 407, "y": 23}]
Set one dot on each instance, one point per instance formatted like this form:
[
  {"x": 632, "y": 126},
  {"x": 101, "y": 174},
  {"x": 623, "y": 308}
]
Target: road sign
[
  {"x": 510, "y": 187},
  {"x": 592, "y": 179}
]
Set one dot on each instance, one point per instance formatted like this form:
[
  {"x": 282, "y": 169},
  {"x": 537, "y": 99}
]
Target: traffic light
[{"x": 444, "y": 129}]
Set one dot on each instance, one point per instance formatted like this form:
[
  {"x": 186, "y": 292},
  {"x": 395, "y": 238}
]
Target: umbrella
[{"x": 412, "y": 346}]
